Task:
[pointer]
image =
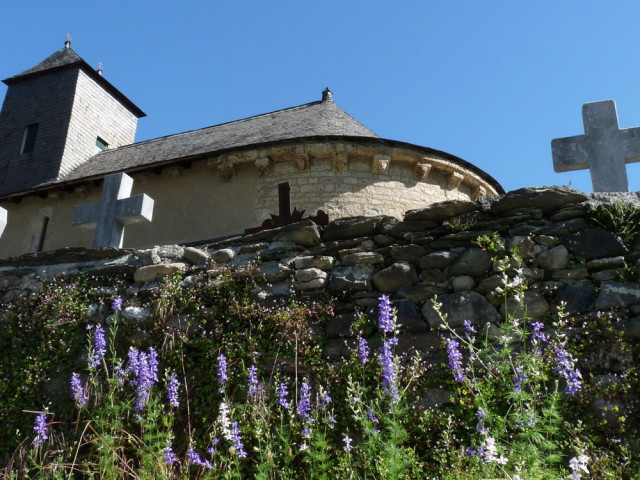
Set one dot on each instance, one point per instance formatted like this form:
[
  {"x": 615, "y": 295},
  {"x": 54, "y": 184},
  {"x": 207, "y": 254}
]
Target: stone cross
[
  {"x": 116, "y": 210},
  {"x": 3, "y": 220},
  {"x": 604, "y": 148}
]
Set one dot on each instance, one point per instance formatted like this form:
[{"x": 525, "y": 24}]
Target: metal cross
[
  {"x": 116, "y": 210},
  {"x": 604, "y": 149}
]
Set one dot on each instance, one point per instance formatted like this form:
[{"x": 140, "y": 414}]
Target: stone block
[
  {"x": 195, "y": 256},
  {"x": 156, "y": 272},
  {"x": 474, "y": 262},
  {"x": 323, "y": 262},
  {"x": 395, "y": 276},
  {"x": 595, "y": 243},
  {"x": 441, "y": 211},
  {"x": 617, "y": 294},
  {"x": 439, "y": 259},
  {"x": 362, "y": 258},
  {"x": 224, "y": 255},
  {"x": 459, "y": 307},
  {"x": 350, "y": 279},
  {"x": 554, "y": 258}
]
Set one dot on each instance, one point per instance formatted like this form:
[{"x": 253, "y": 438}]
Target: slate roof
[
  {"x": 316, "y": 119},
  {"x": 67, "y": 58}
]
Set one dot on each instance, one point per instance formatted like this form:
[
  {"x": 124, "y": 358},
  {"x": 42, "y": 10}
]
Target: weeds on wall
[{"x": 216, "y": 386}]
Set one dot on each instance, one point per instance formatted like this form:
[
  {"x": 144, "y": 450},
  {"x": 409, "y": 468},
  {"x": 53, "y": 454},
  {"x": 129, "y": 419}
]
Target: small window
[
  {"x": 29, "y": 138},
  {"x": 101, "y": 144}
]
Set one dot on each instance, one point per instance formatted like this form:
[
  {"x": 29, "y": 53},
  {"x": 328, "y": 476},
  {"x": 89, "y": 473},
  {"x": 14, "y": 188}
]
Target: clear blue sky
[{"x": 492, "y": 82}]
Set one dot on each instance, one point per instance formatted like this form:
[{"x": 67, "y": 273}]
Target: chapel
[{"x": 64, "y": 128}]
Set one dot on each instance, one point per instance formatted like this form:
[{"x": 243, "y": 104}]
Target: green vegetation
[{"x": 217, "y": 385}]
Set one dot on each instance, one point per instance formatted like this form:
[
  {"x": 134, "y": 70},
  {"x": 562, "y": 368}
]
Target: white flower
[
  {"x": 347, "y": 443},
  {"x": 491, "y": 452},
  {"x": 578, "y": 465},
  {"x": 225, "y": 423}
]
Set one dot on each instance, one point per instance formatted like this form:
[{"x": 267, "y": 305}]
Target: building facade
[{"x": 63, "y": 128}]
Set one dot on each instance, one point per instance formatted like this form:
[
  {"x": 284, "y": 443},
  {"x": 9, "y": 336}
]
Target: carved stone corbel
[
  {"x": 479, "y": 191},
  {"x": 82, "y": 190},
  {"x": 454, "y": 180},
  {"x": 226, "y": 169},
  {"x": 300, "y": 162},
  {"x": 421, "y": 170},
  {"x": 264, "y": 166},
  {"x": 381, "y": 164},
  {"x": 340, "y": 161}
]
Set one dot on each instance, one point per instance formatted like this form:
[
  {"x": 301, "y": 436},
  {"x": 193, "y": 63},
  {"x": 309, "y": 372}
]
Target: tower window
[
  {"x": 29, "y": 138},
  {"x": 101, "y": 144}
]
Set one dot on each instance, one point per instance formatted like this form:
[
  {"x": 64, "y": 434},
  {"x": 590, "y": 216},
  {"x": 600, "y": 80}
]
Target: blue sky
[{"x": 492, "y": 82}]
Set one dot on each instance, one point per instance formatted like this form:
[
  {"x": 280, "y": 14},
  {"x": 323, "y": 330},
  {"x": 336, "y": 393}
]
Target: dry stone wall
[{"x": 433, "y": 251}]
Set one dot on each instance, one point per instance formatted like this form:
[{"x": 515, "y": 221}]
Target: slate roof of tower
[
  {"x": 67, "y": 58},
  {"x": 315, "y": 119}
]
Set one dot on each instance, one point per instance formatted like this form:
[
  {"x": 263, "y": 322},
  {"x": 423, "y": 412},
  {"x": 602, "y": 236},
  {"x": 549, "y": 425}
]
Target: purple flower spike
[
  {"x": 282, "y": 396},
  {"x": 40, "y": 429},
  {"x": 77, "y": 391},
  {"x": 116, "y": 306},
  {"x": 386, "y": 320},
  {"x": 222, "y": 372},
  {"x": 363, "y": 351},
  {"x": 99, "y": 347},
  {"x": 237, "y": 440},
  {"x": 389, "y": 371},
  {"x": 519, "y": 377},
  {"x": 144, "y": 368},
  {"x": 455, "y": 360},
  {"x": 172, "y": 390},
  {"x": 169, "y": 456},
  {"x": 567, "y": 369},
  {"x": 254, "y": 387},
  {"x": 304, "y": 405}
]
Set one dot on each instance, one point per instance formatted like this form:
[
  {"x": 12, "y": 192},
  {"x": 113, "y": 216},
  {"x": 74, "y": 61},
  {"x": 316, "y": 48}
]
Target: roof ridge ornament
[
  {"x": 327, "y": 95},
  {"x": 67, "y": 42}
]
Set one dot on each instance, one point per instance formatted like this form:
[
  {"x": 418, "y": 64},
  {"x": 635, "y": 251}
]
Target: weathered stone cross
[
  {"x": 116, "y": 210},
  {"x": 605, "y": 149},
  {"x": 3, "y": 220}
]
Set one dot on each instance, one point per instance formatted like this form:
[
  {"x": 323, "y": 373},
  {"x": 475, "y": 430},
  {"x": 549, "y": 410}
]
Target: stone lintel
[{"x": 381, "y": 164}]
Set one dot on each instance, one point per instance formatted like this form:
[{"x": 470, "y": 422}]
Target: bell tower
[{"x": 55, "y": 116}]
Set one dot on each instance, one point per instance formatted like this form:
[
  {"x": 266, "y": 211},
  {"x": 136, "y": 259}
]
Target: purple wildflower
[
  {"x": 455, "y": 360},
  {"x": 469, "y": 330},
  {"x": 304, "y": 405},
  {"x": 119, "y": 373},
  {"x": 519, "y": 377},
  {"x": 222, "y": 372},
  {"x": 538, "y": 337},
  {"x": 254, "y": 387},
  {"x": 567, "y": 369},
  {"x": 144, "y": 367},
  {"x": 237, "y": 440},
  {"x": 77, "y": 391},
  {"x": 470, "y": 452},
  {"x": 172, "y": 390},
  {"x": 213, "y": 448},
  {"x": 386, "y": 320},
  {"x": 40, "y": 428},
  {"x": 282, "y": 395},
  {"x": 169, "y": 456},
  {"x": 306, "y": 432},
  {"x": 389, "y": 373},
  {"x": 99, "y": 347},
  {"x": 363, "y": 351},
  {"x": 480, "y": 426},
  {"x": 194, "y": 459},
  {"x": 116, "y": 306},
  {"x": 371, "y": 416}
]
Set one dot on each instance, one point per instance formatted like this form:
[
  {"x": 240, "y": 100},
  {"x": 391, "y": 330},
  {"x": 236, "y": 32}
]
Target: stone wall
[{"x": 432, "y": 251}]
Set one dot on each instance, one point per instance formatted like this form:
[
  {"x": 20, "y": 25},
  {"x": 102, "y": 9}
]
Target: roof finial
[
  {"x": 327, "y": 95},
  {"x": 67, "y": 43},
  {"x": 99, "y": 68}
]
